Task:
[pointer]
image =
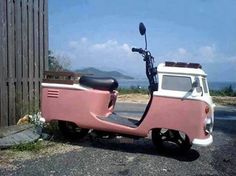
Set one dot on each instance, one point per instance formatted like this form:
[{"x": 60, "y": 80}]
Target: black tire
[
  {"x": 71, "y": 130},
  {"x": 169, "y": 140}
]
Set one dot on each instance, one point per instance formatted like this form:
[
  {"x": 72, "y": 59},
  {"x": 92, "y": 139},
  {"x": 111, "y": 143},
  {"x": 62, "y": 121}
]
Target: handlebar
[
  {"x": 151, "y": 71},
  {"x": 139, "y": 50}
]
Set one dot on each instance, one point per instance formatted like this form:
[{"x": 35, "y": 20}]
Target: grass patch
[
  {"x": 32, "y": 146},
  {"x": 133, "y": 90},
  {"x": 225, "y": 92}
]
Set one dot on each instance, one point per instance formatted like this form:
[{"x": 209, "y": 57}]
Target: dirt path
[{"x": 133, "y": 98}]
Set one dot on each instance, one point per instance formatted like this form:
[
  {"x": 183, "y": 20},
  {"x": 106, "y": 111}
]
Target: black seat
[{"x": 100, "y": 83}]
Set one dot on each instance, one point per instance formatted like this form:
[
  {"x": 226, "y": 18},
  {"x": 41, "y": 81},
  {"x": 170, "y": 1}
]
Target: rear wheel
[
  {"x": 165, "y": 140},
  {"x": 71, "y": 130}
]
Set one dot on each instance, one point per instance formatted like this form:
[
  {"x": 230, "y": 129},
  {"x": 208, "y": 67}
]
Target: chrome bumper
[{"x": 203, "y": 142}]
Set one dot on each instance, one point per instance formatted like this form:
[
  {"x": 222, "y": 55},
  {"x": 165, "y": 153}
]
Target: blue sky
[{"x": 100, "y": 33}]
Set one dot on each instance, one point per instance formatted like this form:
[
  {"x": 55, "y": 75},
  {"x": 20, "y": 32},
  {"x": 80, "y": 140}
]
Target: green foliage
[
  {"x": 32, "y": 146},
  {"x": 227, "y": 91},
  {"x": 26, "y": 107},
  {"x": 133, "y": 89},
  {"x": 58, "y": 63},
  {"x": 53, "y": 63}
]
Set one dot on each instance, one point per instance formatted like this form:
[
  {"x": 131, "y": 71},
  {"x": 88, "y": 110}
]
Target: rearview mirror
[
  {"x": 142, "y": 28},
  {"x": 197, "y": 89},
  {"x": 195, "y": 84}
]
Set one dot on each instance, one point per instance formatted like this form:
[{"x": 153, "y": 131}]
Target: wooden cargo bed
[{"x": 61, "y": 77}]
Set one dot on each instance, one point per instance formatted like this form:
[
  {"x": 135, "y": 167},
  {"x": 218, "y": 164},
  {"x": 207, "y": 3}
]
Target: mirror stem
[{"x": 145, "y": 42}]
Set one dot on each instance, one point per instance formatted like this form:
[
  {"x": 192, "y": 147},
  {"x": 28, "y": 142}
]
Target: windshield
[{"x": 176, "y": 83}]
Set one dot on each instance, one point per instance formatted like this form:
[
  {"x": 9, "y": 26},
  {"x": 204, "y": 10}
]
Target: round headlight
[{"x": 209, "y": 125}]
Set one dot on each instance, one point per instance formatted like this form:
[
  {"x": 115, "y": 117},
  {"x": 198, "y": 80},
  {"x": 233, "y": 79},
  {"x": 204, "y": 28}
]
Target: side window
[
  {"x": 204, "y": 85},
  {"x": 176, "y": 83}
]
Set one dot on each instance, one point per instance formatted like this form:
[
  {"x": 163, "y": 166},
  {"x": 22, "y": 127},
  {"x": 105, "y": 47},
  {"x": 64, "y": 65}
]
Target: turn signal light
[{"x": 207, "y": 109}]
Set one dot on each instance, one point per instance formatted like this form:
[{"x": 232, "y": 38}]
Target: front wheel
[
  {"x": 165, "y": 139},
  {"x": 71, "y": 130}
]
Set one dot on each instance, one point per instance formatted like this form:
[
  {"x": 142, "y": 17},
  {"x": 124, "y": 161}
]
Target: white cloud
[
  {"x": 73, "y": 44},
  {"x": 207, "y": 52},
  {"x": 110, "y": 44},
  {"x": 83, "y": 39},
  {"x": 113, "y": 55},
  {"x": 231, "y": 59},
  {"x": 203, "y": 54},
  {"x": 182, "y": 51},
  {"x": 180, "y": 55},
  {"x": 108, "y": 55}
]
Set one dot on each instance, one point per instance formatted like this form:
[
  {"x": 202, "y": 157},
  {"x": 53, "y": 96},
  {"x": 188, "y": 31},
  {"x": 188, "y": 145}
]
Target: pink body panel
[
  {"x": 84, "y": 107},
  {"x": 75, "y": 105},
  {"x": 185, "y": 115}
]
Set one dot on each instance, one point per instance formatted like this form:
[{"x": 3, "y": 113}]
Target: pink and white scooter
[{"x": 180, "y": 110}]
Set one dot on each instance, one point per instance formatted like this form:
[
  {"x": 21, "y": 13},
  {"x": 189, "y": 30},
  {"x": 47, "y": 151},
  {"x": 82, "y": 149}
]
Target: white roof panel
[{"x": 180, "y": 70}]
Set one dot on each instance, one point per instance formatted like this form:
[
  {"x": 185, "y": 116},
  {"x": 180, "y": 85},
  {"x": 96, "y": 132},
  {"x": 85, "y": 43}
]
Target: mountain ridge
[{"x": 102, "y": 73}]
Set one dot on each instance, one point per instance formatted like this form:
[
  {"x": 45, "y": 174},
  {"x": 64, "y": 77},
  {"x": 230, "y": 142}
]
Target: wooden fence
[{"x": 23, "y": 56}]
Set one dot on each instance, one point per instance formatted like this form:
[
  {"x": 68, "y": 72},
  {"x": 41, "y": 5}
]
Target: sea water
[{"x": 143, "y": 83}]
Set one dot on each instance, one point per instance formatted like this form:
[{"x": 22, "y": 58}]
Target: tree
[
  {"x": 58, "y": 63},
  {"x": 228, "y": 91}
]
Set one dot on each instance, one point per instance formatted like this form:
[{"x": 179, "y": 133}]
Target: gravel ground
[{"x": 123, "y": 156}]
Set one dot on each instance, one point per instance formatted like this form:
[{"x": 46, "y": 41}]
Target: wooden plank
[
  {"x": 30, "y": 52},
  {"x": 10, "y": 39},
  {"x": 36, "y": 50},
  {"x": 11, "y": 103},
  {"x": 24, "y": 54},
  {"x": 27, "y": 135},
  {"x": 1, "y": 116},
  {"x": 6, "y": 103},
  {"x": 36, "y": 92},
  {"x": 59, "y": 81},
  {"x": 1, "y": 62},
  {"x": 1, "y": 48},
  {"x": 18, "y": 41},
  {"x": 11, "y": 62},
  {"x": 41, "y": 42},
  {"x": 45, "y": 32},
  {"x": 9, "y": 130},
  {"x": 4, "y": 99},
  {"x": 18, "y": 44},
  {"x": 36, "y": 37},
  {"x": 13, "y": 80},
  {"x": 62, "y": 73}
]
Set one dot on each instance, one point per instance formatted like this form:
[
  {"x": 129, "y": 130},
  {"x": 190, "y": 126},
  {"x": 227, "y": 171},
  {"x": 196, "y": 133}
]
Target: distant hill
[{"x": 97, "y": 72}]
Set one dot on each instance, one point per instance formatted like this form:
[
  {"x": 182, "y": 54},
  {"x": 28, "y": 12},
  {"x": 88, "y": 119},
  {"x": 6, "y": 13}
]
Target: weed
[{"x": 32, "y": 146}]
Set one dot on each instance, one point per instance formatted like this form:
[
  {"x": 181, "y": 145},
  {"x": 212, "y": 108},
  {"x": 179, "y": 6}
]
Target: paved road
[
  {"x": 136, "y": 110},
  {"x": 122, "y": 156}
]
